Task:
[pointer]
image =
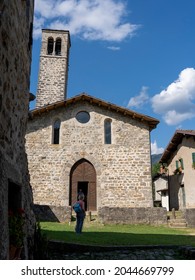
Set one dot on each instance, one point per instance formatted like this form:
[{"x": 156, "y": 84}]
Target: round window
[{"x": 83, "y": 117}]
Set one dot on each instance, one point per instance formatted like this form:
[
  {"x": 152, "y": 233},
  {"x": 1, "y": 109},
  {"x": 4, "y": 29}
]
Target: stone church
[{"x": 86, "y": 143}]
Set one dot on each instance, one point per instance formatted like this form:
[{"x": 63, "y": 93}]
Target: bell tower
[{"x": 53, "y": 68}]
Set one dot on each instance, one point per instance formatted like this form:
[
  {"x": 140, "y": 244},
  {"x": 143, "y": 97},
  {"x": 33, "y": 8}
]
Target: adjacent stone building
[
  {"x": 16, "y": 23},
  {"x": 179, "y": 156},
  {"x": 89, "y": 144}
]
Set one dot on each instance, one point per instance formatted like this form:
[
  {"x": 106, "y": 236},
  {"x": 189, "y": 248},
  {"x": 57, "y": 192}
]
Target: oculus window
[{"x": 83, "y": 117}]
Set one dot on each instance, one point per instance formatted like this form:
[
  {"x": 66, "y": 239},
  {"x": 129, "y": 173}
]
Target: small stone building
[
  {"x": 16, "y": 22},
  {"x": 87, "y": 143}
]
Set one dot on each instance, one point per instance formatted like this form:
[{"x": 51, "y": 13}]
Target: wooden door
[{"x": 83, "y": 175}]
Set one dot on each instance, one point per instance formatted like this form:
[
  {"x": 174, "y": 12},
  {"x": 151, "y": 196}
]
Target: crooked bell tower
[{"x": 53, "y": 68}]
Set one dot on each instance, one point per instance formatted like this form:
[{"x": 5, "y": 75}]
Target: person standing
[
  {"x": 80, "y": 193},
  {"x": 80, "y": 216}
]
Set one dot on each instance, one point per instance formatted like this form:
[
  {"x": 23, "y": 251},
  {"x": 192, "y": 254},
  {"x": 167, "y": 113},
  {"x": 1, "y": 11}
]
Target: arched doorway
[{"x": 83, "y": 176}]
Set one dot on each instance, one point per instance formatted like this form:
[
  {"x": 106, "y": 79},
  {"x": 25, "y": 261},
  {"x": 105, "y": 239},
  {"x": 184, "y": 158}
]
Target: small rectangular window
[{"x": 177, "y": 164}]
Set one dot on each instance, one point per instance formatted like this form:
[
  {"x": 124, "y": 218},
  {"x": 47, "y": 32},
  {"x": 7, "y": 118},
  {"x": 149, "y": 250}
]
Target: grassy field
[{"x": 95, "y": 233}]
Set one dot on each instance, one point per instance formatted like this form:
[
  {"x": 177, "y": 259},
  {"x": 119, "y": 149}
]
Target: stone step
[
  {"x": 178, "y": 220},
  {"x": 178, "y": 223},
  {"x": 177, "y": 214}
]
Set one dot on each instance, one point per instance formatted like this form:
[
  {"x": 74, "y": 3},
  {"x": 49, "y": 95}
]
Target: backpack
[{"x": 77, "y": 207}]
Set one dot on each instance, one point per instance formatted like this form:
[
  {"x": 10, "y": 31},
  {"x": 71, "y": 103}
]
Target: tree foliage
[{"x": 155, "y": 169}]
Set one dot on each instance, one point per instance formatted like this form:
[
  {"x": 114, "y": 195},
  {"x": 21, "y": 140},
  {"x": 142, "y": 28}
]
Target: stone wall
[
  {"x": 16, "y": 19},
  {"x": 151, "y": 216},
  {"x": 189, "y": 215},
  {"x": 123, "y": 168},
  {"x": 47, "y": 213}
]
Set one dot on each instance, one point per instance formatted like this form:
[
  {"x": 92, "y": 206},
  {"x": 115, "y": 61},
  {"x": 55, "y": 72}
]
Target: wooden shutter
[
  {"x": 182, "y": 164},
  {"x": 193, "y": 157}
]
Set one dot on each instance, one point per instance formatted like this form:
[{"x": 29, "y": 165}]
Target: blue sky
[{"x": 139, "y": 54}]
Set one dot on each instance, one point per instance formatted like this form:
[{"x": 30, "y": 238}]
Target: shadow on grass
[{"x": 119, "y": 239}]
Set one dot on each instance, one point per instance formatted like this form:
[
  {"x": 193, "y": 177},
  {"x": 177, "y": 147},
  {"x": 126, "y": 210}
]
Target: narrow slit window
[
  {"x": 56, "y": 132},
  {"x": 58, "y": 47},
  {"x": 50, "y": 44},
  {"x": 108, "y": 131}
]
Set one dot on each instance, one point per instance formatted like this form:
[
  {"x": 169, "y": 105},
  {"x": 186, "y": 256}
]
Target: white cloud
[
  {"x": 38, "y": 23},
  {"x": 114, "y": 48},
  {"x": 89, "y": 19},
  {"x": 155, "y": 150},
  {"x": 177, "y": 102},
  {"x": 139, "y": 100}
]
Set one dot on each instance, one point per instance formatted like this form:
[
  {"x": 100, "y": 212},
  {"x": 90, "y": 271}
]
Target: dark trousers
[{"x": 79, "y": 223}]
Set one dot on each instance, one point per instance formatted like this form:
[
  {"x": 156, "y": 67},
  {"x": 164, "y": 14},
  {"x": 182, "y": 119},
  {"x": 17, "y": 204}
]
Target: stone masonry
[
  {"x": 139, "y": 215},
  {"x": 16, "y": 22},
  {"x": 53, "y": 72}
]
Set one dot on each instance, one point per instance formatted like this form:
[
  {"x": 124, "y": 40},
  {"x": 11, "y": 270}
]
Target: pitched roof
[
  {"x": 152, "y": 122},
  {"x": 160, "y": 175},
  {"x": 175, "y": 141}
]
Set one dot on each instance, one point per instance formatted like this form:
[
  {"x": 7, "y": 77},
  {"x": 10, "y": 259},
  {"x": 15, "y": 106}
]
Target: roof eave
[
  {"x": 151, "y": 122},
  {"x": 173, "y": 144}
]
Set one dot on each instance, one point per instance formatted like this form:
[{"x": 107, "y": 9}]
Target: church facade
[{"x": 87, "y": 143}]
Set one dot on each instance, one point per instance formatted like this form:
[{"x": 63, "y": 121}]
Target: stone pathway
[
  {"x": 155, "y": 254},
  {"x": 62, "y": 251}
]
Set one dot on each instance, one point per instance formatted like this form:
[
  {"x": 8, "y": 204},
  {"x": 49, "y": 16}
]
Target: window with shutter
[
  {"x": 193, "y": 157},
  {"x": 193, "y": 160},
  {"x": 181, "y": 163}
]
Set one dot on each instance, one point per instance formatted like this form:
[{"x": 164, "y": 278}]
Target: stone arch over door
[{"x": 83, "y": 176}]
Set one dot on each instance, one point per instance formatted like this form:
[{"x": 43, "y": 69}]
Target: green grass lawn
[{"x": 95, "y": 233}]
